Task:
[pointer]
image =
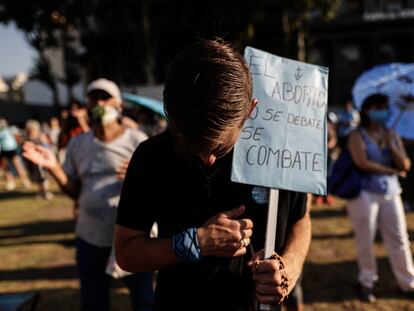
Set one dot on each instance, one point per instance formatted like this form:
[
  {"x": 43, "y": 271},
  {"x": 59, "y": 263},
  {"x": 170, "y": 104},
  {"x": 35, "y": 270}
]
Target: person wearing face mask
[
  {"x": 379, "y": 153},
  {"x": 92, "y": 175}
]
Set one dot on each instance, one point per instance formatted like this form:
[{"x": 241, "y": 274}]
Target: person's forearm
[
  {"x": 83, "y": 125},
  {"x": 401, "y": 160},
  {"x": 144, "y": 254},
  {"x": 376, "y": 168},
  {"x": 296, "y": 248},
  {"x": 69, "y": 188}
]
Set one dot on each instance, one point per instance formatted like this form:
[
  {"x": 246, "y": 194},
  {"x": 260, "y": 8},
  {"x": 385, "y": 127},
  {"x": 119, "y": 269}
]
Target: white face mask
[
  {"x": 111, "y": 114},
  {"x": 106, "y": 114}
]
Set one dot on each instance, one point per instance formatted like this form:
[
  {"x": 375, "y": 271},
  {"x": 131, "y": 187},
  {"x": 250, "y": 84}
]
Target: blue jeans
[{"x": 96, "y": 284}]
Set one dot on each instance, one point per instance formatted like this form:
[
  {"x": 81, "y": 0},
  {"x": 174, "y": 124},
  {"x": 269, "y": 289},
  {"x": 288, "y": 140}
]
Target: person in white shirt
[{"x": 92, "y": 175}]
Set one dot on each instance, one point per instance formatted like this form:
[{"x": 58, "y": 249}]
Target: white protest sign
[{"x": 283, "y": 144}]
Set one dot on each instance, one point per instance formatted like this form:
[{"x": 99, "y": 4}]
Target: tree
[
  {"x": 296, "y": 16},
  {"x": 47, "y": 26},
  {"x": 132, "y": 42},
  {"x": 42, "y": 72}
]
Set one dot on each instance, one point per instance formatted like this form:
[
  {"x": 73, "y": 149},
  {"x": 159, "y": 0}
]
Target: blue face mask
[{"x": 379, "y": 116}]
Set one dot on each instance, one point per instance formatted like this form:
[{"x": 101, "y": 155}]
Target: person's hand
[
  {"x": 80, "y": 114},
  {"x": 272, "y": 281},
  {"x": 393, "y": 171},
  {"x": 402, "y": 174},
  {"x": 39, "y": 155},
  {"x": 122, "y": 169},
  {"x": 225, "y": 236}
]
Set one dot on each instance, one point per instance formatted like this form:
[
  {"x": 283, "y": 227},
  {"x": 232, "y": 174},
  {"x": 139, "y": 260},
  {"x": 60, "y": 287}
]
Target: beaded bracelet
[
  {"x": 285, "y": 280},
  {"x": 185, "y": 245}
]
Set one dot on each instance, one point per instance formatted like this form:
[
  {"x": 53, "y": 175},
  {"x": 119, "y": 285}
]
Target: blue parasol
[
  {"x": 151, "y": 103},
  {"x": 396, "y": 80},
  {"x": 402, "y": 119}
]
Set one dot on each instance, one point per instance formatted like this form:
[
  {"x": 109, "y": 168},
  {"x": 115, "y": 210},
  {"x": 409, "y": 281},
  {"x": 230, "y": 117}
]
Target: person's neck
[{"x": 108, "y": 132}]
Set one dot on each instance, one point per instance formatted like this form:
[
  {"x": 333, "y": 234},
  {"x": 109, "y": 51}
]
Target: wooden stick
[{"x": 271, "y": 230}]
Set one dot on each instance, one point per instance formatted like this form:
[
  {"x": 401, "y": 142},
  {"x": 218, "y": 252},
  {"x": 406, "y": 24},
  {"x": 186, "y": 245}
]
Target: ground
[{"x": 36, "y": 251}]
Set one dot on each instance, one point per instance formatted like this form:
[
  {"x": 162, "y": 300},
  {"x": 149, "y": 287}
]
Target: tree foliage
[
  {"x": 296, "y": 16},
  {"x": 47, "y": 25},
  {"x": 133, "y": 41}
]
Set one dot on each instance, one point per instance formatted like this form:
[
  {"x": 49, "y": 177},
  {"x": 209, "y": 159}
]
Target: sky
[{"x": 16, "y": 55}]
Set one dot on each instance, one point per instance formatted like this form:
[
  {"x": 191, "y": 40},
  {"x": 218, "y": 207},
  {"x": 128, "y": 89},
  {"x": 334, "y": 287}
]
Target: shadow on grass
[
  {"x": 63, "y": 242},
  {"x": 55, "y": 273},
  {"x": 336, "y": 282},
  {"x": 68, "y": 272},
  {"x": 411, "y": 235},
  {"x": 341, "y": 236},
  {"x": 24, "y": 232},
  {"x": 5, "y": 195},
  {"x": 67, "y": 299},
  {"x": 328, "y": 213}
]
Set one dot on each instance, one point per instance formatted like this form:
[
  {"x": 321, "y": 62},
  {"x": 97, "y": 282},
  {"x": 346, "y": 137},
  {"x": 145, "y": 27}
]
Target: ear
[
  {"x": 255, "y": 101},
  {"x": 209, "y": 160}
]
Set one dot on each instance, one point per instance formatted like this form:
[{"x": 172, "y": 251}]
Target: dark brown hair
[
  {"x": 374, "y": 100},
  {"x": 208, "y": 91}
]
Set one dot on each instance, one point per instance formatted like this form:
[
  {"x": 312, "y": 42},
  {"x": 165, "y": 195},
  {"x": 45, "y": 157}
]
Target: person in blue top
[
  {"x": 8, "y": 156},
  {"x": 380, "y": 154}
]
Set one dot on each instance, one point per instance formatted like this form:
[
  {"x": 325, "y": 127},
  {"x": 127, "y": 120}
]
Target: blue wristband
[{"x": 185, "y": 245}]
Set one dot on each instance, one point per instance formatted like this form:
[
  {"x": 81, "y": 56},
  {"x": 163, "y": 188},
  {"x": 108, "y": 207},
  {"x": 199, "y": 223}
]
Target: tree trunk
[
  {"x": 149, "y": 65},
  {"x": 301, "y": 44},
  {"x": 286, "y": 34},
  {"x": 56, "y": 101},
  {"x": 69, "y": 88}
]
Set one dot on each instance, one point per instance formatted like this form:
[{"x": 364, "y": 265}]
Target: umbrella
[
  {"x": 396, "y": 80},
  {"x": 402, "y": 118},
  {"x": 151, "y": 103}
]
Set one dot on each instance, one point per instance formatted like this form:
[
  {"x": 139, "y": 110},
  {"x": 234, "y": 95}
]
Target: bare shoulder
[
  {"x": 355, "y": 139},
  {"x": 355, "y": 135}
]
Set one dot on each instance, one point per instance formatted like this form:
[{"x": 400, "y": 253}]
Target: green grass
[
  {"x": 330, "y": 271},
  {"x": 37, "y": 253}
]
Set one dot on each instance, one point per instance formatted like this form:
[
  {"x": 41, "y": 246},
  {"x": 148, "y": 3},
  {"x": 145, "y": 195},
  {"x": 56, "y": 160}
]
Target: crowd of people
[
  {"x": 161, "y": 204},
  {"x": 86, "y": 152}
]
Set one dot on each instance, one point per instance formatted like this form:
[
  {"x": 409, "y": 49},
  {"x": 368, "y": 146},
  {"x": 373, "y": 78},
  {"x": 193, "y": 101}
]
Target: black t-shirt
[{"x": 178, "y": 193}]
